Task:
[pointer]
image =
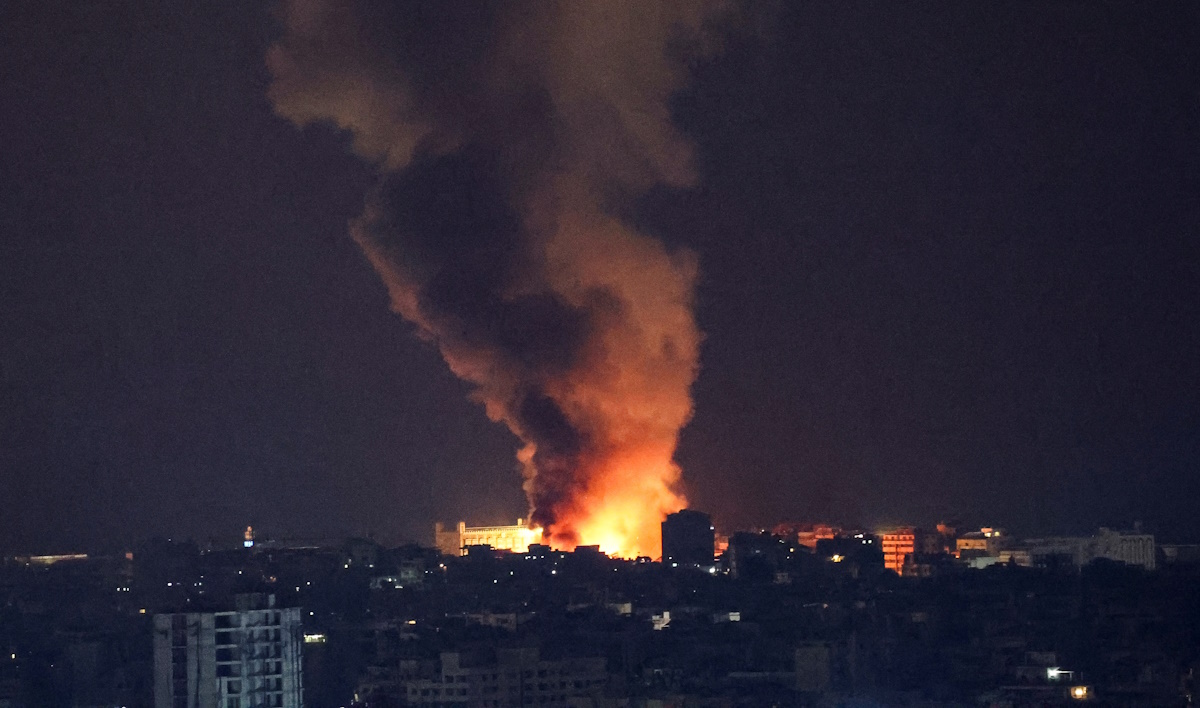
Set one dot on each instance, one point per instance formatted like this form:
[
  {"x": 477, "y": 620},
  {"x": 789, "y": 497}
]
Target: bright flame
[
  {"x": 624, "y": 509},
  {"x": 611, "y": 532},
  {"x": 526, "y": 537}
]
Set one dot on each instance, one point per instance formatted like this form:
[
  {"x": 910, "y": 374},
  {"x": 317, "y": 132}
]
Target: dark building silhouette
[{"x": 688, "y": 538}]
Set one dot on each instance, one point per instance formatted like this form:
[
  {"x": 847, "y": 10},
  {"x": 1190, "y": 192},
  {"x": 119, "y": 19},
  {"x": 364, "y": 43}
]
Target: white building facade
[
  {"x": 1131, "y": 548},
  {"x": 248, "y": 657},
  {"x": 1134, "y": 548}
]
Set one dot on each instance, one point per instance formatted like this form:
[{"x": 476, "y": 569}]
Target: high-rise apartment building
[
  {"x": 688, "y": 538},
  {"x": 245, "y": 657}
]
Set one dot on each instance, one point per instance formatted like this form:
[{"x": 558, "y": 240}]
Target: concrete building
[
  {"x": 985, "y": 543},
  {"x": 1016, "y": 556},
  {"x": 1133, "y": 548},
  {"x": 519, "y": 677},
  {"x": 246, "y": 657},
  {"x": 897, "y": 545},
  {"x": 688, "y": 538},
  {"x": 502, "y": 538},
  {"x": 809, "y": 536}
]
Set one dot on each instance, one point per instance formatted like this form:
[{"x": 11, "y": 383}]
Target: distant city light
[
  {"x": 837, "y": 558},
  {"x": 51, "y": 560},
  {"x": 314, "y": 638},
  {"x": 1079, "y": 693}
]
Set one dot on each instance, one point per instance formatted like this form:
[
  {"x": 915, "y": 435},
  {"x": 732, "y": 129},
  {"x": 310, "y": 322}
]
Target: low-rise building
[
  {"x": 516, "y": 538},
  {"x": 1132, "y": 548},
  {"x": 810, "y": 535},
  {"x": 518, "y": 677},
  {"x": 1016, "y": 556},
  {"x": 984, "y": 543}
]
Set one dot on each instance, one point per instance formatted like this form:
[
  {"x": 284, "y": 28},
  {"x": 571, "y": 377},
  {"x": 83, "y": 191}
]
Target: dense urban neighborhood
[{"x": 793, "y": 615}]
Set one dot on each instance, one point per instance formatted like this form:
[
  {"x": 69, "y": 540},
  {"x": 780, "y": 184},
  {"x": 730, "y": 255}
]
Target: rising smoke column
[{"x": 509, "y": 136}]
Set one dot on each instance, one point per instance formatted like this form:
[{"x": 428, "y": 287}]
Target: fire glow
[{"x": 505, "y": 138}]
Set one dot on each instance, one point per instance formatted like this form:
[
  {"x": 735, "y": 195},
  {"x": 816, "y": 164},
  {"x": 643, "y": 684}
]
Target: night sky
[{"x": 949, "y": 269}]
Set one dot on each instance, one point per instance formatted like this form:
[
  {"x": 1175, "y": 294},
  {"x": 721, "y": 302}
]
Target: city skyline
[{"x": 947, "y": 268}]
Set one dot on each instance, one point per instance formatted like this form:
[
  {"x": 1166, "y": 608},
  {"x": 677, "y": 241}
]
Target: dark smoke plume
[{"x": 505, "y": 132}]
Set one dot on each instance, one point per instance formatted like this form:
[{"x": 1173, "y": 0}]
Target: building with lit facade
[
  {"x": 1016, "y": 556},
  {"x": 688, "y": 538},
  {"x": 897, "y": 545},
  {"x": 515, "y": 538},
  {"x": 245, "y": 657},
  {"x": 984, "y": 543},
  {"x": 809, "y": 536}
]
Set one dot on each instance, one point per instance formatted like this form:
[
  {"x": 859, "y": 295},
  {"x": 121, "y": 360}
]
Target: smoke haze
[{"x": 506, "y": 135}]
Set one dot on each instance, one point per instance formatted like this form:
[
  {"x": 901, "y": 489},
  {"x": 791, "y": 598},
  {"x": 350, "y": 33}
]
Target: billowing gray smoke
[{"x": 506, "y": 132}]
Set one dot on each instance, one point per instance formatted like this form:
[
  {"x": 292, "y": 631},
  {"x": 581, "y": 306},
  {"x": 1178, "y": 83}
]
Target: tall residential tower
[{"x": 244, "y": 657}]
